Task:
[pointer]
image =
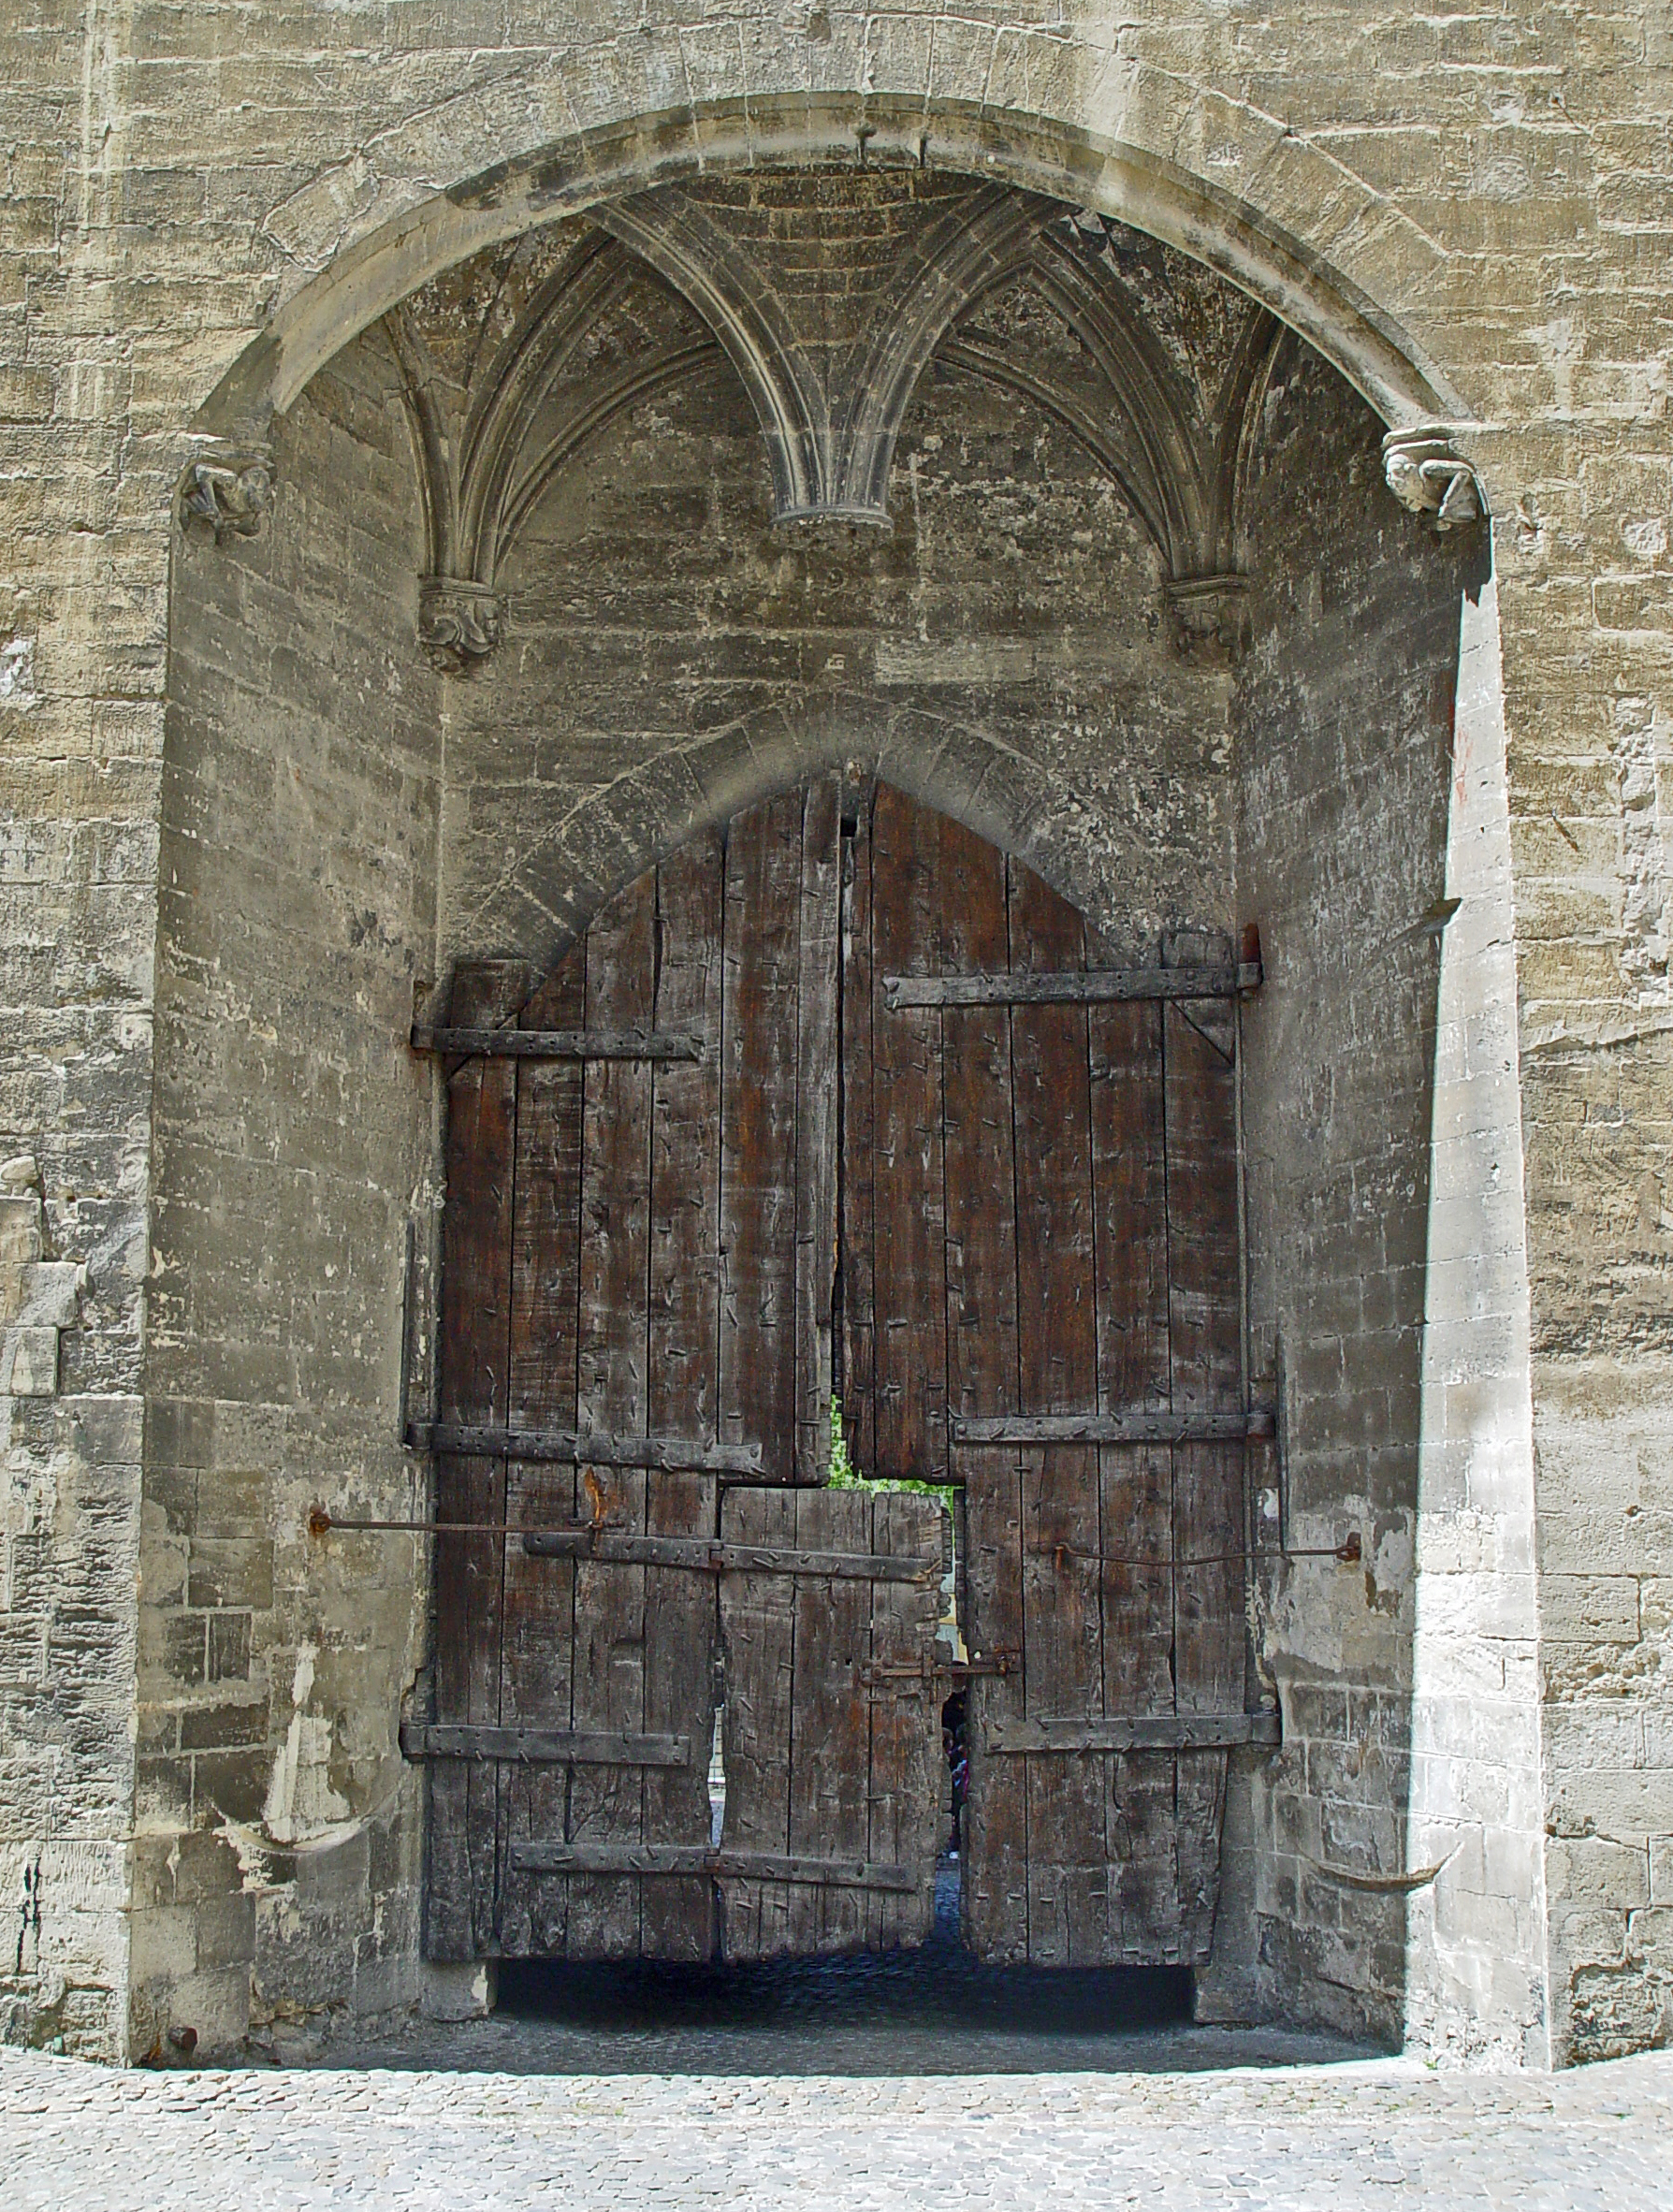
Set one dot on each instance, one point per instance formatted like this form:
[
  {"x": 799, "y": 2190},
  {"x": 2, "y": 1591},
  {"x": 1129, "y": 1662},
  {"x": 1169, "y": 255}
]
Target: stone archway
[
  {"x": 1301, "y": 235},
  {"x": 1011, "y": 654}
]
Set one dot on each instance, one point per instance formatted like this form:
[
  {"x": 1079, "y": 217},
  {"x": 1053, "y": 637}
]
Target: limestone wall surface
[
  {"x": 275, "y": 1857},
  {"x": 1467, "y": 212},
  {"x": 1402, "y": 1870}
]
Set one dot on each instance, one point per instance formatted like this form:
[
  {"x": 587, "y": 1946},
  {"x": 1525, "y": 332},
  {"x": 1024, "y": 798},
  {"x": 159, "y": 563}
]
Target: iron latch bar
[
  {"x": 708, "y": 1556},
  {"x": 906, "y": 1674},
  {"x": 696, "y": 1858},
  {"x": 1131, "y": 1424},
  {"x": 1136, "y": 1732},
  {"x": 541, "y": 1747},
  {"x": 557, "y": 1044},
  {"x": 1090, "y": 986},
  {"x": 570, "y": 1448}
]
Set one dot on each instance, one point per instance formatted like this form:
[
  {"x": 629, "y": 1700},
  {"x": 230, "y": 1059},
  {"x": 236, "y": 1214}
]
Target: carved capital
[
  {"x": 1210, "y": 618},
  {"x": 224, "y": 495},
  {"x": 459, "y": 622},
  {"x": 1425, "y": 475}
]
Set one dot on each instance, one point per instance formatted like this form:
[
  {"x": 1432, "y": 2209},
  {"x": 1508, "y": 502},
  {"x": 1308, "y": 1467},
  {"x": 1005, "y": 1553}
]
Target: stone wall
[
  {"x": 1363, "y": 1204},
  {"x": 276, "y": 1850},
  {"x": 1467, "y": 211}
]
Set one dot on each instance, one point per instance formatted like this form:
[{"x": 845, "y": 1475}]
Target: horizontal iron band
[
  {"x": 1133, "y": 1424},
  {"x": 543, "y": 1746},
  {"x": 558, "y": 1045},
  {"x": 703, "y": 1556},
  {"x": 1091, "y": 986},
  {"x": 694, "y": 1858},
  {"x": 1206, "y": 1731},
  {"x": 566, "y": 1448}
]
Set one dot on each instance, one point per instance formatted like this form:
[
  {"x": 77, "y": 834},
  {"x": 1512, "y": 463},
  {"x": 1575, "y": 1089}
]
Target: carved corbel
[
  {"x": 459, "y": 622},
  {"x": 223, "y": 496},
  {"x": 1211, "y": 620},
  {"x": 1425, "y": 475}
]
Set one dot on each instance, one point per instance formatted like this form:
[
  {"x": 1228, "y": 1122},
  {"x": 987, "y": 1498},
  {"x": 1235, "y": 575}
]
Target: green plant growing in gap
[{"x": 845, "y": 1475}]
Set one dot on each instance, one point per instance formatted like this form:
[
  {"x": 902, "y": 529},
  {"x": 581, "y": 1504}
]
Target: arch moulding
[{"x": 1313, "y": 244}]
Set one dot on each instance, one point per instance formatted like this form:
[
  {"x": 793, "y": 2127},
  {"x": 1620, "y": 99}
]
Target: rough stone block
[
  {"x": 229, "y": 1647},
  {"x": 220, "y": 1728},
  {"x": 163, "y": 1944},
  {"x": 1661, "y": 1870},
  {"x": 231, "y": 1785},
  {"x": 1589, "y": 1609},
  {"x": 232, "y": 1572},
  {"x": 29, "y": 1362}
]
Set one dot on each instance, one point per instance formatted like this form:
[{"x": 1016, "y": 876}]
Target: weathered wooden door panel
[
  {"x": 612, "y": 1333},
  {"x": 475, "y": 1339},
  {"x": 1058, "y": 1374},
  {"x": 777, "y": 1128},
  {"x": 676, "y": 1915},
  {"x": 1029, "y": 1218},
  {"x": 982, "y": 1354},
  {"x": 1072, "y": 1155},
  {"x": 643, "y": 1246},
  {"x": 909, "y": 1233},
  {"x": 537, "y": 1650},
  {"x": 818, "y": 1768}
]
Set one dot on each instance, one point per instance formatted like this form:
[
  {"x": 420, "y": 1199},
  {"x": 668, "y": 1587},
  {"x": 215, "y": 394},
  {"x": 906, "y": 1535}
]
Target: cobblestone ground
[
  {"x": 921, "y": 2079},
  {"x": 1383, "y": 2133}
]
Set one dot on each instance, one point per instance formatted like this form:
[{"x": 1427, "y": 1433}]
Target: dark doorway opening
[{"x": 932, "y": 2009}]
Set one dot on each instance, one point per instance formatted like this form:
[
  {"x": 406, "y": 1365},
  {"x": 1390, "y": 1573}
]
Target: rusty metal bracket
[{"x": 903, "y": 1677}]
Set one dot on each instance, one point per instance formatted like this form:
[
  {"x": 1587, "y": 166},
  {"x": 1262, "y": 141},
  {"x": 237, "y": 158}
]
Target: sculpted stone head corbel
[
  {"x": 1425, "y": 475},
  {"x": 225, "y": 492},
  {"x": 459, "y": 622}
]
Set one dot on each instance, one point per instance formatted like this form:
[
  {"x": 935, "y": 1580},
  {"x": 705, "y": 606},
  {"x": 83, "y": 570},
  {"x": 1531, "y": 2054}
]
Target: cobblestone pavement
[
  {"x": 1382, "y": 2133},
  {"x": 915, "y": 2079}
]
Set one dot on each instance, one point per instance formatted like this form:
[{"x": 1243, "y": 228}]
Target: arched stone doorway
[
  {"x": 1032, "y": 649},
  {"x": 837, "y": 1106}
]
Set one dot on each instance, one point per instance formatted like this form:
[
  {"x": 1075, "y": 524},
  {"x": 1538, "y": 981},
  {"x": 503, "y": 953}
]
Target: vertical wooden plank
[
  {"x": 605, "y": 1803},
  {"x": 539, "y": 1604},
  {"x": 1136, "y": 1481},
  {"x": 1058, "y": 1373},
  {"x": 906, "y": 1768},
  {"x": 758, "y": 1632},
  {"x": 859, "y": 1376},
  {"x": 816, "y": 1126},
  {"x": 1208, "y": 1520},
  {"x": 910, "y": 1308},
  {"x": 476, "y": 1332},
  {"x": 829, "y": 1723},
  {"x": 677, "y": 1917},
  {"x": 981, "y": 1374},
  {"x": 760, "y": 956}
]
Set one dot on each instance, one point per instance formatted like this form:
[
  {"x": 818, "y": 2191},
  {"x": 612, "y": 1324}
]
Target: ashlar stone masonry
[{"x": 1219, "y": 455}]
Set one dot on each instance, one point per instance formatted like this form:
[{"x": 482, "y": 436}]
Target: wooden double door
[{"x": 837, "y": 1100}]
